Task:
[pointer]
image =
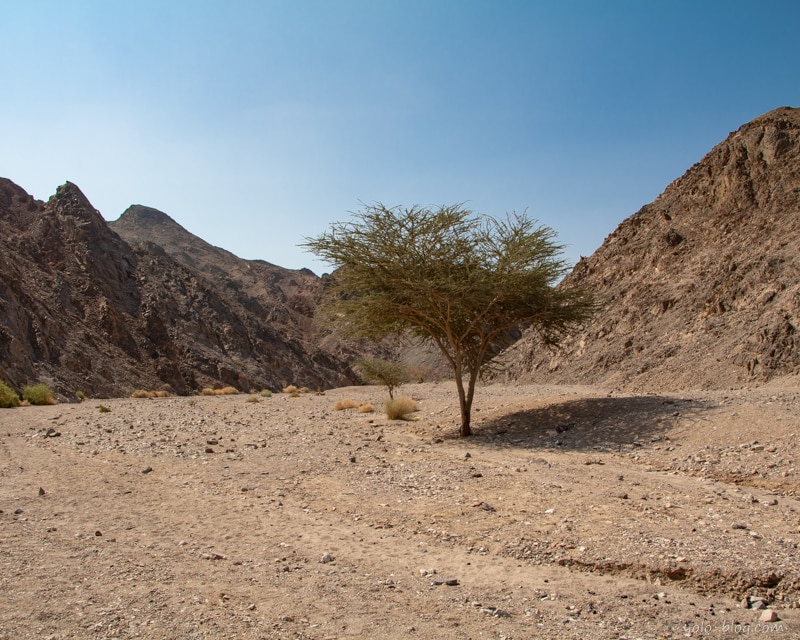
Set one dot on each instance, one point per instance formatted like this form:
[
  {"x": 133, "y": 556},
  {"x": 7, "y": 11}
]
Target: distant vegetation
[
  {"x": 38, "y": 394},
  {"x": 8, "y": 397}
]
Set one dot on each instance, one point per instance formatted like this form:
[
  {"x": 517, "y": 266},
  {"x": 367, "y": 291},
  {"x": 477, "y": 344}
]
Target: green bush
[
  {"x": 385, "y": 372},
  {"x": 38, "y": 394},
  {"x": 8, "y": 397}
]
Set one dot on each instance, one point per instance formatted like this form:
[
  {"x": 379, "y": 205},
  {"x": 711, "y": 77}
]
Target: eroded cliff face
[
  {"x": 85, "y": 310},
  {"x": 700, "y": 288}
]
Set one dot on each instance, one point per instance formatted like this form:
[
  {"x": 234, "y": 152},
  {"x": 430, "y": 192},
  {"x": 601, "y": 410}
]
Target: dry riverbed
[{"x": 572, "y": 513}]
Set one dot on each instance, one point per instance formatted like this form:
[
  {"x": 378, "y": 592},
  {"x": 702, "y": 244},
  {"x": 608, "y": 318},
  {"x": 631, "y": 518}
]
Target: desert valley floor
[{"x": 573, "y": 512}]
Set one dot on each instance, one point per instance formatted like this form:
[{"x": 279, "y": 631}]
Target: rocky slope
[
  {"x": 700, "y": 288},
  {"x": 87, "y": 307}
]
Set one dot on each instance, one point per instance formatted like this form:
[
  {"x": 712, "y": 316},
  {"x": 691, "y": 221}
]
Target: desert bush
[
  {"x": 366, "y": 407},
  {"x": 385, "y": 372},
  {"x": 289, "y": 389},
  {"x": 103, "y": 408},
  {"x": 345, "y": 403},
  {"x": 80, "y": 395},
  {"x": 304, "y": 390},
  {"x": 227, "y": 391},
  {"x": 253, "y": 399},
  {"x": 8, "y": 397},
  {"x": 38, "y": 394},
  {"x": 207, "y": 391},
  {"x": 266, "y": 393},
  {"x": 141, "y": 393},
  {"x": 161, "y": 394},
  {"x": 399, "y": 408}
]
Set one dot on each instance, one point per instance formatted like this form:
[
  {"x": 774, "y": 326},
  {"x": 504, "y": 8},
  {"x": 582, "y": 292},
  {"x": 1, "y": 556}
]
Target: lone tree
[
  {"x": 385, "y": 372},
  {"x": 462, "y": 281}
]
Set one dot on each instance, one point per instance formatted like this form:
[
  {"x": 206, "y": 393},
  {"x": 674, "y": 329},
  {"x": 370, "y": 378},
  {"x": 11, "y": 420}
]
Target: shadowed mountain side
[
  {"x": 700, "y": 288},
  {"x": 589, "y": 424},
  {"x": 85, "y": 310}
]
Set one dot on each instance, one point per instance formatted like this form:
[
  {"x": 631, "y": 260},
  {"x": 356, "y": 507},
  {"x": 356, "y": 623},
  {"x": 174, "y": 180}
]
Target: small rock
[
  {"x": 768, "y": 615},
  {"x": 487, "y": 507},
  {"x": 450, "y": 582},
  {"x": 738, "y": 525},
  {"x": 467, "y": 455},
  {"x": 352, "y": 458},
  {"x": 209, "y": 450},
  {"x": 147, "y": 469},
  {"x": 326, "y": 558},
  {"x": 98, "y": 533},
  {"x": 42, "y": 491}
]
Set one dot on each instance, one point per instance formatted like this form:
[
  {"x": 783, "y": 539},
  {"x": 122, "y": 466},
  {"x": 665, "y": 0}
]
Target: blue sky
[{"x": 255, "y": 124}]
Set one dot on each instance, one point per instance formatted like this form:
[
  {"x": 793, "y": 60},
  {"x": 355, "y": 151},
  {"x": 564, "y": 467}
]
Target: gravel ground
[{"x": 571, "y": 513}]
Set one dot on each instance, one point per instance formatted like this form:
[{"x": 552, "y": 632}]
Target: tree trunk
[{"x": 465, "y": 404}]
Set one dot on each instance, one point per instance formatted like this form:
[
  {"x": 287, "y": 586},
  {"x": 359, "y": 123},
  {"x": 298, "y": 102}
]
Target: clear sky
[{"x": 257, "y": 123}]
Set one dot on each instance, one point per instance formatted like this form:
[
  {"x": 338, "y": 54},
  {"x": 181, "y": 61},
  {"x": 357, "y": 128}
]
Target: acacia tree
[{"x": 445, "y": 275}]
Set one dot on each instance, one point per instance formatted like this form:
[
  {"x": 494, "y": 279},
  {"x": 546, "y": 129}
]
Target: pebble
[
  {"x": 768, "y": 616},
  {"x": 326, "y": 558}
]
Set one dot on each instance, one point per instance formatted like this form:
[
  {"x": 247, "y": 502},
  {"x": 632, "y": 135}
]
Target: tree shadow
[{"x": 590, "y": 424}]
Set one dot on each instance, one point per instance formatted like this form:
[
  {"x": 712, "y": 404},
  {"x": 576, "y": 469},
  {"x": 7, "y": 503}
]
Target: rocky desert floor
[{"x": 573, "y": 512}]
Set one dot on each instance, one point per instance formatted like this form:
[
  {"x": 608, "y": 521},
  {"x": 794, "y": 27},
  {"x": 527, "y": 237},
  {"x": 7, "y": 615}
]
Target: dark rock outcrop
[{"x": 141, "y": 303}]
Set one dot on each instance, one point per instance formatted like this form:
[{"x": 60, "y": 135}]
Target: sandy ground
[{"x": 572, "y": 513}]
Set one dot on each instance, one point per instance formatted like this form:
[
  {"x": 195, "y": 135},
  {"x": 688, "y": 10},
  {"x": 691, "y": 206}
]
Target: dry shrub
[
  {"x": 366, "y": 408},
  {"x": 141, "y": 393},
  {"x": 399, "y": 408},
  {"x": 207, "y": 391},
  {"x": 346, "y": 403},
  {"x": 161, "y": 394},
  {"x": 266, "y": 393},
  {"x": 290, "y": 389},
  {"x": 304, "y": 390},
  {"x": 253, "y": 399},
  {"x": 227, "y": 391}
]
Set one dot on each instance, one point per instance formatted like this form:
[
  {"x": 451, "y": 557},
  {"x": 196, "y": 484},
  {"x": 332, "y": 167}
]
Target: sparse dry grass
[
  {"x": 253, "y": 399},
  {"x": 399, "y": 408},
  {"x": 289, "y": 389},
  {"x": 225, "y": 391},
  {"x": 366, "y": 407},
  {"x": 346, "y": 403},
  {"x": 145, "y": 393}
]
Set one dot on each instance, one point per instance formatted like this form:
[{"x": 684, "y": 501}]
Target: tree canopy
[{"x": 462, "y": 281}]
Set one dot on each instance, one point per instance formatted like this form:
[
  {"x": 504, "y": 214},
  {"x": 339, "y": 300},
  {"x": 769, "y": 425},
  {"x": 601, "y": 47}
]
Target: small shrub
[
  {"x": 346, "y": 403},
  {"x": 207, "y": 391},
  {"x": 141, "y": 393},
  {"x": 161, "y": 394},
  {"x": 399, "y": 408},
  {"x": 253, "y": 399},
  {"x": 294, "y": 394},
  {"x": 290, "y": 389},
  {"x": 103, "y": 408},
  {"x": 266, "y": 393},
  {"x": 385, "y": 372},
  {"x": 227, "y": 391},
  {"x": 303, "y": 390},
  {"x": 366, "y": 408},
  {"x": 8, "y": 397},
  {"x": 38, "y": 394},
  {"x": 81, "y": 396}
]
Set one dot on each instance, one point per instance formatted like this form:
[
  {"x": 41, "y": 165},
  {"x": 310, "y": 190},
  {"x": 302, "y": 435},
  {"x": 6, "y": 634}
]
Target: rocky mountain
[
  {"x": 142, "y": 303},
  {"x": 701, "y": 287}
]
